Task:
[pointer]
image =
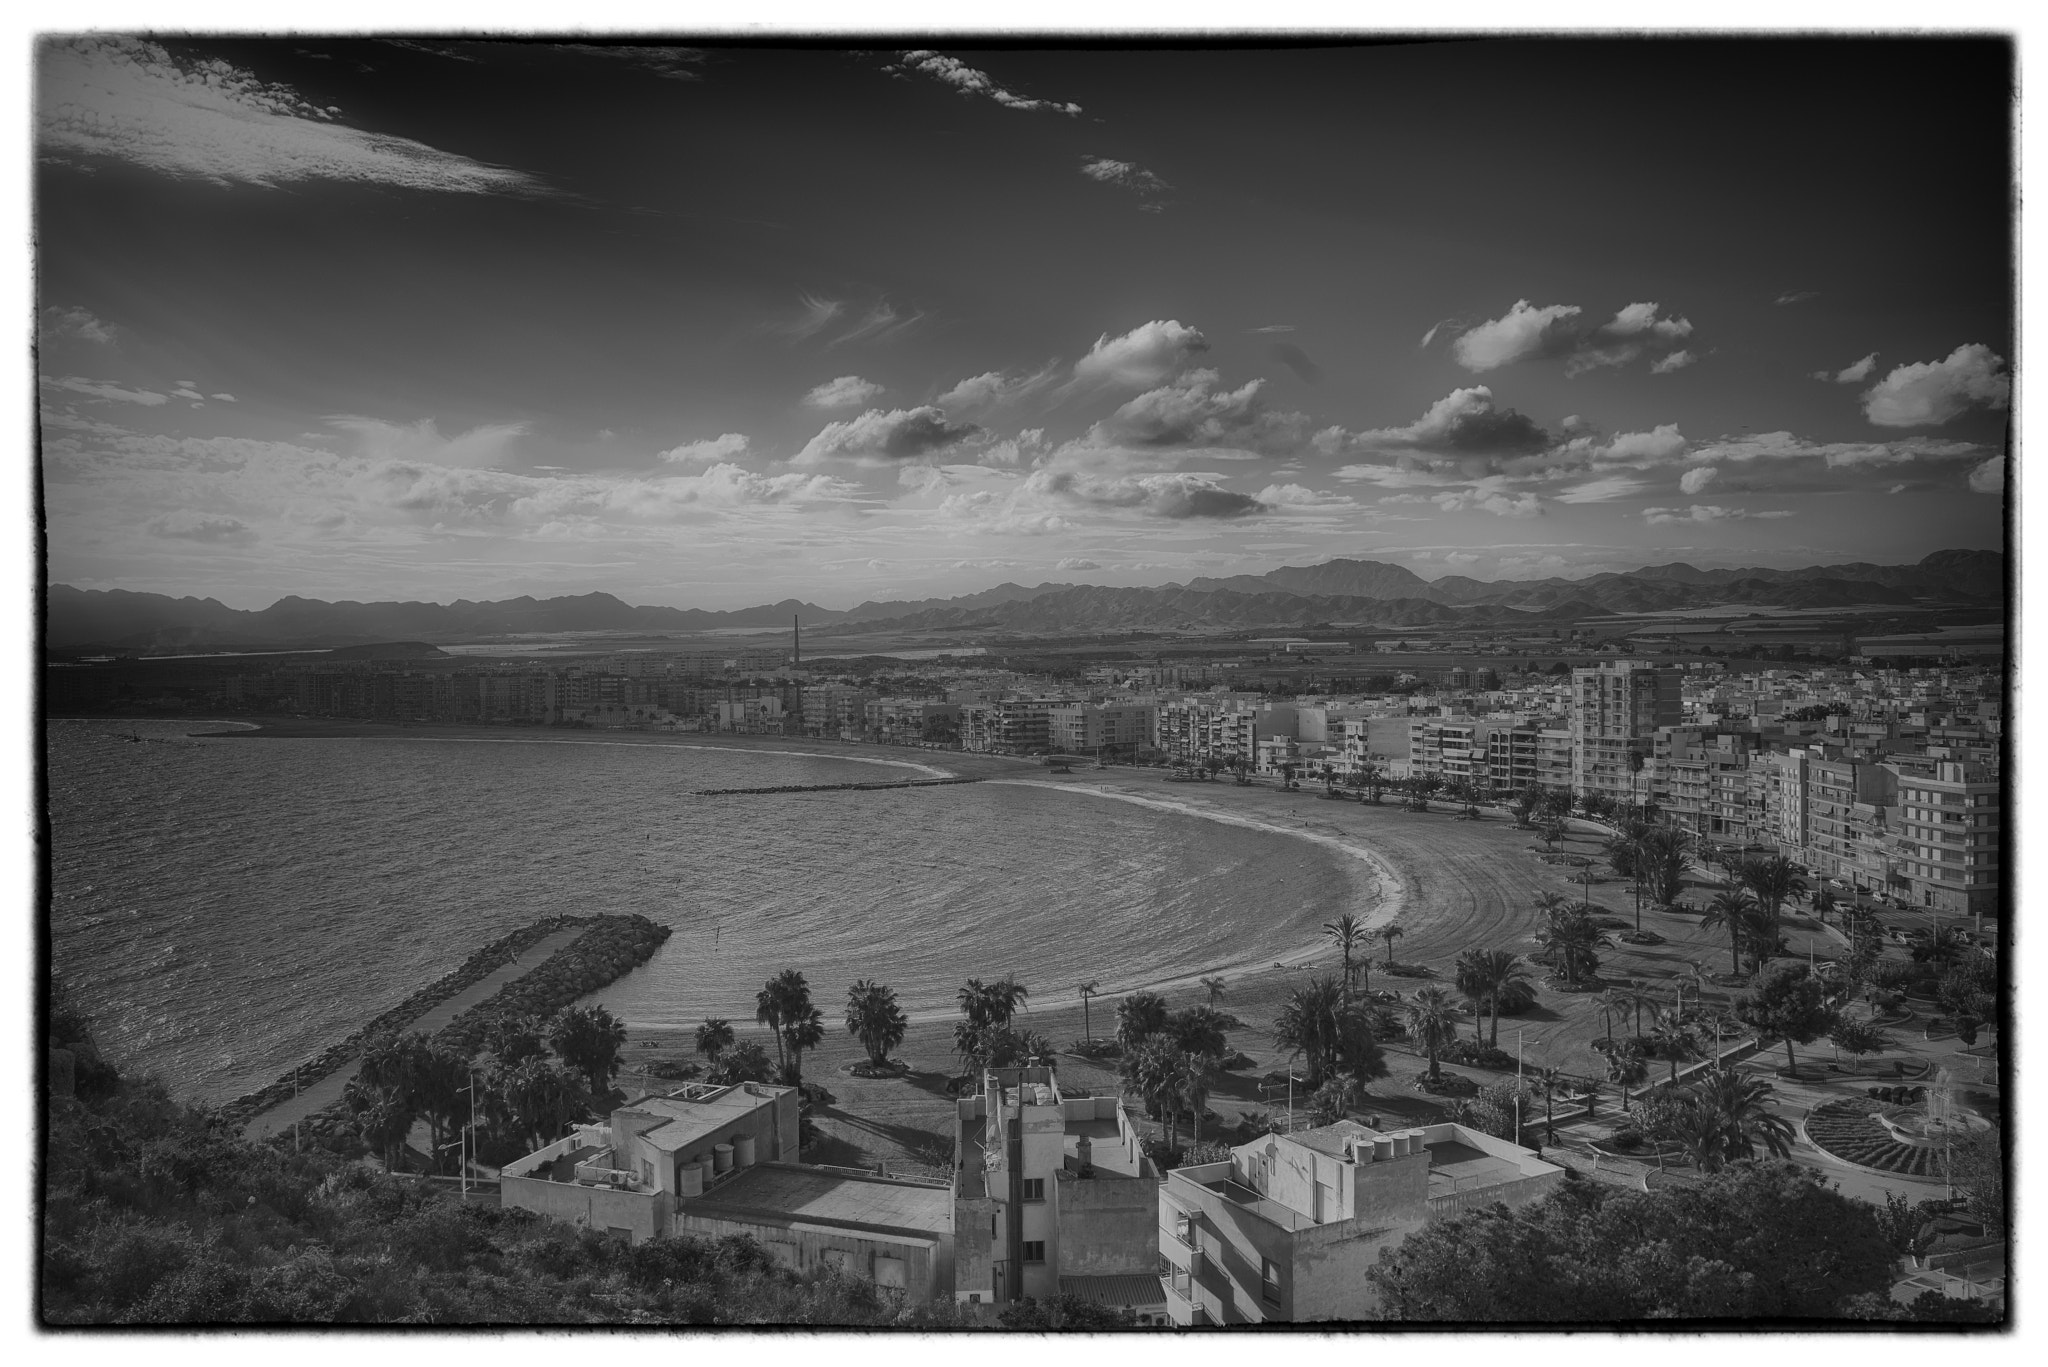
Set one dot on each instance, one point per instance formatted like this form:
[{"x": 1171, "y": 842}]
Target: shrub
[
  {"x": 1478, "y": 1054},
  {"x": 1518, "y": 997}
]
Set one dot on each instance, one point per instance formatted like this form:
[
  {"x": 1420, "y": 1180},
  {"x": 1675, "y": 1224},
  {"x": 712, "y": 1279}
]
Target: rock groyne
[
  {"x": 613, "y": 947},
  {"x": 840, "y": 787}
]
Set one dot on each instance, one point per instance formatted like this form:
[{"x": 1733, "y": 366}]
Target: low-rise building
[{"x": 1284, "y": 1230}]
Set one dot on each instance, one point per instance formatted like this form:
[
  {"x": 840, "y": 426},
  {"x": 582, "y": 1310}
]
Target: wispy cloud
[
  {"x": 1852, "y": 374},
  {"x": 102, "y": 389},
  {"x": 132, "y": 100},
  {"x": 1123, "y": 174},
  {"x": 968, "y": 81},
  {"x": 1796, "y": 296},
  {"x": 669, "y": 63},
  {"x": 1708, "y": 512},
  {"x": 848, "y": 391},
  {"x": 76, "y": 323}
]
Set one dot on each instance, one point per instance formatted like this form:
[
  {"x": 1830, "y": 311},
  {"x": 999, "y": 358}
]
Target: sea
[{"x": 226, "y": 908}]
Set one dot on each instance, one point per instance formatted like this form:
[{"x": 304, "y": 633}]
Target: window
[
  {"x": 1034, "y": 1250},
  {"x": 1034, "y": 1188},
  {"x": 1184, "y": 1228},
  {"x": 1269, "y": 1281}
]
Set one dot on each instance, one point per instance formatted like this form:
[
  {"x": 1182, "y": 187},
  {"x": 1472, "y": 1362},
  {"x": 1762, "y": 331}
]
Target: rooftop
[
  {"x": 1106, "y": 1146},
  {"x": 1119, "y": 1289},
  {"x": 836, "y": 1196},
  {"x": 691, "y": 1115}
]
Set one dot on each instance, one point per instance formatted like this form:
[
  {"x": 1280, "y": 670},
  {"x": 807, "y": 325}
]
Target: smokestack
[{"x": 796, "y": 635}]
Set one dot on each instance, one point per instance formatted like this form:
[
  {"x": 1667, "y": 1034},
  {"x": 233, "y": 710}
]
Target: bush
[
  {"x": 1625, "y": 1141},
  {"x": 1518, "y": 997},
  {"x": 1478, "y": 1054}
]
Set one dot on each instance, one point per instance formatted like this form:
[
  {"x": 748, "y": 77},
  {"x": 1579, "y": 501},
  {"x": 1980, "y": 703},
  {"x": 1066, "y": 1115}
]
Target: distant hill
[{"x": 1362, "y": 592}]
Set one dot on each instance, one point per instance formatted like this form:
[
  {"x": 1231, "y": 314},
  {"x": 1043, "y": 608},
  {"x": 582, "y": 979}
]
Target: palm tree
[
  {"x": 1087, "y": 990},
  {"x": 770, "y": 1005},
  {"x": 1552, "y": 831},
  {"x": 1347, "y": 934},
  {"x": 1775, "y": 880},
  {"x": 1824, "y": 901},
  {"x": 1191, "y": 1087},
  {"x": 1672, "y": 1040},
  {"x": 805, "y": 1029},
  {"x": 1139, "y": 1016},
  {"x": 1626, "y": 1068},
  {"x": 1213, "y": 985},
  {"x": 1433, "y": 1021},
  {"x": 1390, "y": 933},
  {"x": 1570, "y": 940},
  {"x": 1740, "y": 1105},
  {"x": 1731, "y": 909},
  {"x": 1006, "y": 996},
  {"x": 1482, "y": 973},
  {"x": 714, "y": 1037},
  {"x": 1310, "y": 1026},
  {"x": 873, "y": 1017},
  {"x": 1372, "y": 777}
]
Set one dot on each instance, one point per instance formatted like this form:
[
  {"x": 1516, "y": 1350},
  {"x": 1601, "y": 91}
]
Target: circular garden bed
[{"x": 1849, "y": 1130}]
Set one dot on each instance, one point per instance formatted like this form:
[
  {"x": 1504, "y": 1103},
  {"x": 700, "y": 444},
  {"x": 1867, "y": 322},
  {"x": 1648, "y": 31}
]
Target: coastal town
[{"x": 1735, "y": 909}]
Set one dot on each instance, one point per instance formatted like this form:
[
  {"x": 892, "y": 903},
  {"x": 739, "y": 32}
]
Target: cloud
[
  {"x": 726, "y": 447},
  {"x": 968, "y": 81},
  {"x": 813, "y": 316},
  {"x": 1192, "y": 411},
  {"x": 1706, "y": 512},
  {"x": 1486, "y": 496},
  {"x": 76, "y": 323},
  {"x": 1796, "y": 296},
  {"x": 1301, "y": 496},
  {"x": 848, "y": 391},
  {"x": 1176, "y": 497},
  {"x": 1783, "y": 446},
  {"x": 1463, "y": 422},
  {"x": 214, "y": 528},
  {"x": 876, "y": 437},
  {"x": 669, "y": 63},
  {"x": 1124, "y": 175},
  {"x": 1930, "y": 393},
  {"x": 881, "y": 320},
  {"x": 204, "y": 118},
  {"x": 181, "y": 392},
  {"x": 1527, "y": 332},
  {"x": 993, "y": 388},
  {"x": 1854, "y": 374},
  {"x": 1143, "y": 356},
  {"x": 1275, "y": 327},
  {"x": 485, "y": 445},
  {"x": 1695, "y": 480},
  {"x": 1677, "y": 360},
  {"x": 1434, "y": 329},
  {"x": 1074, "y": 563},
  {"x": 1603, "y": 490},
  {"x": 101, "y": 389},
  {"x": 1988, "y": 478},
  {"x": 225, "y": 398},
  {"x": 1296, "y": 360}
]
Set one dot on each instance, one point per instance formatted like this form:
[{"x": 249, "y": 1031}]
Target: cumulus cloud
[
  {"x": 1696, "y": 480},
  {"x": 1194, "y": 411},
  {"x": 725, "y": 447},
  {"x": 1783, "y": 446},
  {"x": 225, "y": 398},
  {"x": 1144, "y": 356},
  {"x": 1301, "y": 496},
  {"x": 1527, "y": 332},
  {"x": 1176, "y": 497},
  {"x": 993, "y": 388},
  {"x": 218, "y": 529},
  {"x": 128, "y": 99},
  {"x": 485, "y": 445},
  {"x": 1487, "y": 496},
  {"x": 969, "y": 81},
  {"x": 1075, "y": 563},
  {"x": 1706, "y": 512},
  {"x": 102, "y": 389},
  {"x": 1988, "y": 478},
  {"x": 1127, "y": 176},
  {"x": 1929, "y": 393},
  {"x": 76, "y": 323},
  {"x": 879, "y": 438},
  {"x": 1464, "y": 422},
  {"x": 848, "y": 391},
  {"x": 1852, "y": 374},
  {"x": 1677, "y": 360}
]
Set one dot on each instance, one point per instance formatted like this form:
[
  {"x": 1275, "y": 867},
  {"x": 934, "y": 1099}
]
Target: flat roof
[
  {"x": 1121, "y": 1289},
  {"x": 824, "y": 1196},
  {"x": 683, "y": 1121},
  {"x": 1105, "y": 1146}
]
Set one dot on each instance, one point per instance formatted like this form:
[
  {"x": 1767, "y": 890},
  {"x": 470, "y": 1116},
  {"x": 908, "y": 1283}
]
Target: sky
[{"x": 721, "y": 325}]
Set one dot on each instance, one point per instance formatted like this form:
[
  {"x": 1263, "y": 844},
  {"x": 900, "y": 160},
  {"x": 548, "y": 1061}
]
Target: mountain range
[{"x": 1358, "y": 592}]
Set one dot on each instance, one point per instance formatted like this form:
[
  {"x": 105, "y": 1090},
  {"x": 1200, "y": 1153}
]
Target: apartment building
[
  {"x": 1616, "y": 708},
  {"x": 1845, "y": 799},
  {"x": 1098, "y": 728},
  {"x": 1949, "y": 831},
  {"x": 1554, "y": 759},
  {"x": 1777, "y": 800},
  {"x": 1284, "y": 1229},
  {"x": 1052, "y": 1194},
  {"x": 910, "y": 721}
]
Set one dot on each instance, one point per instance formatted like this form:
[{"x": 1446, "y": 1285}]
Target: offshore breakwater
[{"x": 841, "y": 787}]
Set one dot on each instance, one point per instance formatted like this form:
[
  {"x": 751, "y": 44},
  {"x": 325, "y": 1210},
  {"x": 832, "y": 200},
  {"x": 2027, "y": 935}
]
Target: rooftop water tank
[
  {"x": 743, "y": 1150},
  {"x": 689, "y": 1179},
  {"x": 1382, "y": 1148},
  {"x": 721, "y": 1158}
]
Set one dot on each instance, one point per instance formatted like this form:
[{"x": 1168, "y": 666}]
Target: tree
[
  {"x": 1197, "y": 1030},
  {"x": 995, "y": 1003},
  {"x": 510, "y": 1039},
  {"x": 714, "y": 1037},
  {"x": 1348, "y": 935},
  {"x": 1154, "y": 1071},
  {"x": 1764, "y": 1240},
  {"x": 1789, "y": 1004},
  {"x": 1317, "y": 1025},
  {"x": 1391, "y": 932},
  {"x": 1976, "y": 1166},
  {"x": 1552, "y": 831},
  {"x": 412, "y": 1076},
  {"x": 1088, "y": 990},
  {"x": 874, "y": 1018},
  {"x": 1433, "y": 1021},
  {"x": 1372, "y": 777},
  {"x": 1213, "y": 985},
  {"x": 1339, "y": 1095},
  {"x": 1739, "y": 1106},
  {"x": 1731, "y": 909},
  {"x": 1775, "y": 880},
  {"x": 1483, "y": 973},
  {"x": 540, "y": 1099},
  {"x": 1527, "y": 801},
  {"x": 1139, "y": 1016},
  {"x": 1857, "y": 1038},
  {"x": 1064, "y": 1311},
  {"x": 1672, "y": 1040},
  {"x": 1626, "y": 1067},
  {"x": 1569, "y": 938},
  {"x": 588, "y": 1039}
]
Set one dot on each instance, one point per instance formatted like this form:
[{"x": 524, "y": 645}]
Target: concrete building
[
  {"x": 1052, "y": 1194},
  {"x": 1950, "y": 826},
  {"x": 893, "y": 1231},
  {"x": 1284, "y": 1230},
  {"x": 1098, "y": 728},
  {"x": 1616, "y": 708}
]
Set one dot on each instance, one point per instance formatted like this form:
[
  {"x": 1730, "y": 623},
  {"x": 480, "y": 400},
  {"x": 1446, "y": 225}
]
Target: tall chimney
[{"x": 796, "y": 634}]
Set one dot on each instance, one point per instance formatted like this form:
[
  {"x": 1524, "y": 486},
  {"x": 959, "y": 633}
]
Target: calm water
[{"x": 228, "y": 907}]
